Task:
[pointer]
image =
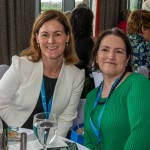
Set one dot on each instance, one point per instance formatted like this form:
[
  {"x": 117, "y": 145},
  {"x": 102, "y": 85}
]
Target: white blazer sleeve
[{"x": 65, "y": 120}]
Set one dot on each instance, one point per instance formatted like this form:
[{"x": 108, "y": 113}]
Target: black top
[
  {"x": 49, "y": 85},
  {"x": 83, "y": 48}
]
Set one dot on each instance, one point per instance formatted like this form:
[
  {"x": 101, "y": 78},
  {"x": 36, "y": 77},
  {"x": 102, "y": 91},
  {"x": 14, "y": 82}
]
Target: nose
[
  {"x": 111, "y": 54},
  {"x": 51, "y": 39}
]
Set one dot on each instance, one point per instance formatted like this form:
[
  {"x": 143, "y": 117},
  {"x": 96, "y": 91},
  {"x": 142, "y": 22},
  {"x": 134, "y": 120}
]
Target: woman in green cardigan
[{"x": 117, "y": 112}]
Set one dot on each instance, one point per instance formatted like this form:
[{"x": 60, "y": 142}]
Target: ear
[
  {"x": 128, "y": 60},
  {"x": 143, "y": 30}
]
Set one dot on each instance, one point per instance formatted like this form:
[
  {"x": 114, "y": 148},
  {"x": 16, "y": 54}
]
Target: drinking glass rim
[{"x": 53, "y": 114}]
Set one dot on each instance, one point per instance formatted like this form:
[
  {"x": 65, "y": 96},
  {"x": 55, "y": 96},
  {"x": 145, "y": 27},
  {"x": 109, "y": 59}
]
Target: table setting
[{"x": 42, "y": 137}]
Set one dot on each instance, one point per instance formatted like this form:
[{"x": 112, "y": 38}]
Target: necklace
[
  {"x": 95, "y": 129},
  {"x": 112, "y": 89}
]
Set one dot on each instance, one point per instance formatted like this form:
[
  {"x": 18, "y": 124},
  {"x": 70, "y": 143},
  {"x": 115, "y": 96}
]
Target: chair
[
  {"x": 3, "y": 69},
  {"x": 80, "y": 116},
  {"x": 78, "y": 123},
  {"x": 144, "y": 71}
]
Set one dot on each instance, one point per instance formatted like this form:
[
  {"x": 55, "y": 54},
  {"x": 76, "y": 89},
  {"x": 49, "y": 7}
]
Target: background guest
[
  {"x": 68, "y": 14},
  {"x": 138, "y": 29},
  {"x": 146, "y": 5},
  {"x": 124, "y": 14},
  {"x": 82, "y": 22}
]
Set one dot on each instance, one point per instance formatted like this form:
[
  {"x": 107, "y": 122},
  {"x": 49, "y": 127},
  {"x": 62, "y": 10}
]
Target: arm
[
  {"x": 65, "y": 120},
  {"x": 87, "y": 141},
  {"x": 9, "y": 85},
  {"x": 138, "y": 105}
]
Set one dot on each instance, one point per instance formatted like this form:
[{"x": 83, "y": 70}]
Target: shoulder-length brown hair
[
  {"x": 93, "y": 66},
  {"x": 34, "y": 53},
  {"x": 138, "y": 19}
]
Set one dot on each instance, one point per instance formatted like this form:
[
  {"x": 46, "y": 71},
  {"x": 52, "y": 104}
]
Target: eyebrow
[
  {"x": 109, "y": 47},
  {"x": 54, "y": 31}
]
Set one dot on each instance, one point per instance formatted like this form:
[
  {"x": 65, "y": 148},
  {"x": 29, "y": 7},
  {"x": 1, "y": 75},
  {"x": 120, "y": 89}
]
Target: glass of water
[{"x": 45, "y": 128}]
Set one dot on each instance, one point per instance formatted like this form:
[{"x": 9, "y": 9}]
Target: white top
[{"x": 20, "y": 88}]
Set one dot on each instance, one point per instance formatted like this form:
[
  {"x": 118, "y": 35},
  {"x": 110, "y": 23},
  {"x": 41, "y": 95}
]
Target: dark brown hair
[{"x": 117, "y": 32}]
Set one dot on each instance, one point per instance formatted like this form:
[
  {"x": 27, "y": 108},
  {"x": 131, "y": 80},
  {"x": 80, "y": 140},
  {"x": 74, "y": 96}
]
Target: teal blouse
[{"x": 125, "y": 121}]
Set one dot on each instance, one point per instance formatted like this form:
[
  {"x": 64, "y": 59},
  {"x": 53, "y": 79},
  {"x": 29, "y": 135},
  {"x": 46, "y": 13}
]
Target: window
[
  {"x": 134, "y": 4},
  {"x": 51, "y": 4},
  {"x": 61, "y": 5}
]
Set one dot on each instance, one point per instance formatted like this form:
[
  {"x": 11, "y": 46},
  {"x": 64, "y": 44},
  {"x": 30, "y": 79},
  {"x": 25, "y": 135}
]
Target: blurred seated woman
[
  {"x": 82, "y": 25},
  {"x": 138, "y": 30},
  {"x": 124, "y": 14},
  {"x": 116, "y": 113}
]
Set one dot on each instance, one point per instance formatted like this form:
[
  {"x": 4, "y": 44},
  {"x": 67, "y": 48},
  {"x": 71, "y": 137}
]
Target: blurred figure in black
[{"x": 82, "y": 26}]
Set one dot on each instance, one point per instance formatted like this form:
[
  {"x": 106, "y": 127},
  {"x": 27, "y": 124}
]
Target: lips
[
  {"x": 111, "y": 63},
  {"x": 52, "y": 47}
]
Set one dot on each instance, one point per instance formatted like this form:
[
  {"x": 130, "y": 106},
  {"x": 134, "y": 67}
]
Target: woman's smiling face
[
  {"x": 111, "y": 56},
  {"x": 52, "y": 39}
]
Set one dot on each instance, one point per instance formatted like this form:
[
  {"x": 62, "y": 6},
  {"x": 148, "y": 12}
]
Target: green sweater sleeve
[
  {"x": 138, "y": 107},
  {"x": 90, "y": 140},
  {"x": 87, "y": 141}
]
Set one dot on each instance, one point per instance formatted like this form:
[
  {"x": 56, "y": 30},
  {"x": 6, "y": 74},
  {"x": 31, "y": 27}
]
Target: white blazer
[{"x": 20, "y": 87}]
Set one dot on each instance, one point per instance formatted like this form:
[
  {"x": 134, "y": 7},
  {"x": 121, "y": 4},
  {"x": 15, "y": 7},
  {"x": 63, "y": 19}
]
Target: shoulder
[
  {"x": 23, "y": 66},
  {"x": 138, "y": 80},
  {"x": 146, "y": 5},
  {"x": 23, "y": 61},
  {"x": 73, "y": 70}
]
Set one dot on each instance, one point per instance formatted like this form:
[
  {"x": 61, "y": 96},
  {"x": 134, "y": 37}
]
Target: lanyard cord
[
  {"x": 95, "y": 130},
  {"x": 43, "y": 97}
]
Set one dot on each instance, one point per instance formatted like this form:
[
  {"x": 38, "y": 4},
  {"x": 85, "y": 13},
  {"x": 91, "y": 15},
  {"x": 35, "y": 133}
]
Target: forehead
[
  {"x": 52, "y": 25},
  {"x": 113, "y": 41}
]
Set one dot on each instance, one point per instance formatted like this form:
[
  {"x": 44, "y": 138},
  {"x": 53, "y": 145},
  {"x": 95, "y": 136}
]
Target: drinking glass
[{"x": 45, "y": 128}]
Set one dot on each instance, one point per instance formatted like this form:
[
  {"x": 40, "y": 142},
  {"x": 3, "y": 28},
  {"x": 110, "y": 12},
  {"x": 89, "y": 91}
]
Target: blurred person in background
[
  {"x": 82, "y": 26},
  {"x": 146, "y": 5},
  {"x": 138, "y": 30},
  {"x": 124, "y": 14},
  {"x": 68, "y": 14}
]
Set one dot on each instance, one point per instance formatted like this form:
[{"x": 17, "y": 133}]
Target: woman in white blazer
[{"x": 49, "y": 61}]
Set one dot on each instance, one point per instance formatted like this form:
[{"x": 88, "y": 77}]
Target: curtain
[
  {"x": 110, "y": 10},
  {"x": 17, "y": 17},
  {"x": 96, "y": 21},
  {"x": 106, "y": 14}
]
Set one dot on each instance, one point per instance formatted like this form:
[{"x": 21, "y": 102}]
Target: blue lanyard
[
  {"x": 95, "y": 130},
  {"x": 43, "y": 97}
]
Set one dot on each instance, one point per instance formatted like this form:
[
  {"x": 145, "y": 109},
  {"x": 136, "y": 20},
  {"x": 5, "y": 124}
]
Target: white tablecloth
[{"x": 33, "y": 144}]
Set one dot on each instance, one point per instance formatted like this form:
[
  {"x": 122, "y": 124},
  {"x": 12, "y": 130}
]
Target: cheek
[
  {"x": 99, "y": 59},
  {"x": 123, "y": 62}
]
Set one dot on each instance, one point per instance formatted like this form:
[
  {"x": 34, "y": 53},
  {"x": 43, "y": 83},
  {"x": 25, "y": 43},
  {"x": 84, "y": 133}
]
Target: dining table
[{"x": 34, "y": 144}]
